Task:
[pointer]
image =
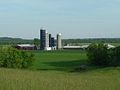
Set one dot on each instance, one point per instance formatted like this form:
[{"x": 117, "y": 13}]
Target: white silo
[
  {"x": 47, "y": 40},
  {"x": 59, "y": 41}
]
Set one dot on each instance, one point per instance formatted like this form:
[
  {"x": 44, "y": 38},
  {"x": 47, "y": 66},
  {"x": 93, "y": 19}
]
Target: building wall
[{"x": 26, "y": 48}]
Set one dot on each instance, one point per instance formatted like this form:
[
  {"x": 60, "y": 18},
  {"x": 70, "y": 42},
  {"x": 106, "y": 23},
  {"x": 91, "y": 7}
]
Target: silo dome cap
[{"x": 59, "y": 34}]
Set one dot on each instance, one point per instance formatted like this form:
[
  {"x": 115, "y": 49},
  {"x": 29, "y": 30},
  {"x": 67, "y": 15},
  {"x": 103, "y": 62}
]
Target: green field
[
  {"x": 52, "y": 71},
  {"x": 59, "y": 60}
]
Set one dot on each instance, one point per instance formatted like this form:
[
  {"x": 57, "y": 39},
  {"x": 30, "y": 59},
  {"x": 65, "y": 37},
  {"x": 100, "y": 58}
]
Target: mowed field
[{"x": 53, "y": 71}]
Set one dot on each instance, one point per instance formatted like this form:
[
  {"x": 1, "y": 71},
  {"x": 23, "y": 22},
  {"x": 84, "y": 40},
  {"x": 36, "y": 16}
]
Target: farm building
[
  {"x": 83, "y": 47},
  {"x": 26, "y": 47},
  {"x": 110, "y": 46},
  {"x": 76, "y": 47}
]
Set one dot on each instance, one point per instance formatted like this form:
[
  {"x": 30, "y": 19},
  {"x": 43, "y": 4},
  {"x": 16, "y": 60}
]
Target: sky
[{"x": 72, "y": 18}]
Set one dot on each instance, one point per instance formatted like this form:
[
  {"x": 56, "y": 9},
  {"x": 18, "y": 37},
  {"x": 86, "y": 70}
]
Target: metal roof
[
  {"x": 25, "y": 45},
  {"x": 83, "y": 46}
]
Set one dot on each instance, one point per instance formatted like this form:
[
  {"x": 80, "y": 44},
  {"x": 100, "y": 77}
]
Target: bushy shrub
[
  {"x": 13, "y": 58},
  {"x": 117, "y": 56},
  {"x": 114, "y": 56},
  {"x": 98, "y": 54}
]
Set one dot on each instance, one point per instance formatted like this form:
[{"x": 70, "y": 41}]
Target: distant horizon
[{"x": 55, "y": 38}]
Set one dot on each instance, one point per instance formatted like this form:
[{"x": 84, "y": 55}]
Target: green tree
[
  {"x": 98, "y": 54},
  {"x": 36, "y": 42},
  {"x": 114, "y": 56}
]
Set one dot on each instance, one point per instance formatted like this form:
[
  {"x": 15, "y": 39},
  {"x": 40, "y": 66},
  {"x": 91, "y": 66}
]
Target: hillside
[{"x": 9, "y": 40}]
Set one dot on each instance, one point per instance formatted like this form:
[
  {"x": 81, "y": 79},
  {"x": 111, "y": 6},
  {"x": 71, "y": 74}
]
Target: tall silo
[
  {"x": 50, "y": 40},
  {"x": 47, "y": 40},
  {"x": 59, "y": 42},
  {"x": 42, "y": 39}
]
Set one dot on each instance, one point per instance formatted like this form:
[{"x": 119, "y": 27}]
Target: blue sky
[{"x": 72, "y": 18}]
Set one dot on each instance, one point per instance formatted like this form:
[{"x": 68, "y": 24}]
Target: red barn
[{"x": 26, "y": 47}]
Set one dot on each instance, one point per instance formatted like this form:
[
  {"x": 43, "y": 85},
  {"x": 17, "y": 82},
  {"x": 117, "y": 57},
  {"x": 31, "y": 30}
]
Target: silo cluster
[{"x": 47, "y": 42}]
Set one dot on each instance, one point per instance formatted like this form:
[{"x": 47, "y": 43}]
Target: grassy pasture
[
  {"x": 59, "y": 60},
  {"x": 51, "y": 71}
]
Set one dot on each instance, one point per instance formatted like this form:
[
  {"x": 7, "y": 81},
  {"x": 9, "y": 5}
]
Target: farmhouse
[{"x": 26, "y": 47}]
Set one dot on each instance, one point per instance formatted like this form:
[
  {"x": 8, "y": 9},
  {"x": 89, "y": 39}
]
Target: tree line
[
  {"x": 92, "y": 40},
  {"x": 13, "y": 41}
]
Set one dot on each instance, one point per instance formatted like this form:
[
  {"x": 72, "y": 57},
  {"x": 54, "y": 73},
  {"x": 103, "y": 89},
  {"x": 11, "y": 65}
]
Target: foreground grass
[
  {"x": 51, "y": 71},
  {"x": 103, "y": 79}
]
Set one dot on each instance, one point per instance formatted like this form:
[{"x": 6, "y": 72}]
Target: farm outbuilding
[
  {"x": 76, "y": 47},
  {"x": 26, "y": 47},
  {"x": 83, "y": 47},
  {"x": 110, "y": 46}
]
